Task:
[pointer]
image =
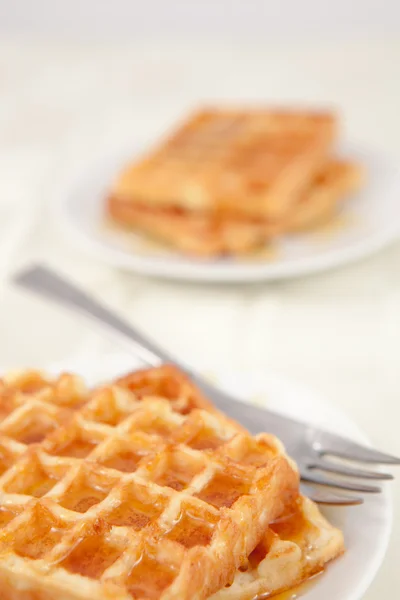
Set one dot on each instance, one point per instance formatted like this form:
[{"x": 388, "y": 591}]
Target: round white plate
[
  {"x": 366, "y": 527},
  {"x": 369, "y": 221}
]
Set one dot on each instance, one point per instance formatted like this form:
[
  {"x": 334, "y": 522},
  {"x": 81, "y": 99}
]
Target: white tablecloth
[{"x": 63, "y": 106}]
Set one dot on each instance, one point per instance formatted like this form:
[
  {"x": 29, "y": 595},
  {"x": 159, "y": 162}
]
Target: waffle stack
[
  {"x": 226, "y": 182},
  {"x": 142, "y": 490}
]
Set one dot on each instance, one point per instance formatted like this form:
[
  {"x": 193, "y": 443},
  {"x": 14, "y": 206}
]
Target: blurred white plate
[
  {"x": 366, "y": 527},
  {"x": 368, "y": 221}
]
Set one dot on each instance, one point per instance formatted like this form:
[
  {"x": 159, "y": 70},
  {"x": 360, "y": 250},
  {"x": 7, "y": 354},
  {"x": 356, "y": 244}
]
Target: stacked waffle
[
  {"x": 226, "y": 182},
  {"x": 142, "y": 490}
]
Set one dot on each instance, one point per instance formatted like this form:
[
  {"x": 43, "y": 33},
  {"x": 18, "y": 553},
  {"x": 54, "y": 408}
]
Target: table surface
[{"x": 64, "y": 105}]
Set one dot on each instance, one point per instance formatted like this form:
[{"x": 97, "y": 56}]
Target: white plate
[
  {"x": 368, "y": 222},
  {"x": 366, "y": 527}
]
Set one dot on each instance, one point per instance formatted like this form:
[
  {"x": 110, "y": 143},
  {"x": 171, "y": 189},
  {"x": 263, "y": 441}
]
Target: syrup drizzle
[{"x": 294, "y": 593}]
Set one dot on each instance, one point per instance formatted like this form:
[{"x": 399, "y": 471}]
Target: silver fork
[{"x": 311, "y": 447}]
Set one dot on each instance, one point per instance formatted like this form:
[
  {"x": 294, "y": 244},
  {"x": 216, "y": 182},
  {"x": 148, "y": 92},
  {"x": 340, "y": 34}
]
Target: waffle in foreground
[
  {"x": 138, "y": 490},
  {"x": 228, "y": 181}
]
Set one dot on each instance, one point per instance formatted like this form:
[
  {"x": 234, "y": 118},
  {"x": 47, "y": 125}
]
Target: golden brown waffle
[
  {"x": 205, "y": 234},
  {"x": 294, "y": 548},
  {"x": 139, "y": 490},
  {"x": 236, "y": 162}
]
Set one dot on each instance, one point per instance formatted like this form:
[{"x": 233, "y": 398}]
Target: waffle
[
  {"x": 138, "y": 490},
  {"x": 251, "y": 163},
  {"x": 204, "y": 234}
]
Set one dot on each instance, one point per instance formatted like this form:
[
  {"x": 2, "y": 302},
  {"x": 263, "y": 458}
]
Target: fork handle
[{"x": 47, "y": 283}]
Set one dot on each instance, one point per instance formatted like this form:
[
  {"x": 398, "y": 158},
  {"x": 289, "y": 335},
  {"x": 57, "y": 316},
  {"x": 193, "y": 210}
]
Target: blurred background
[
  {"x": 261, "y": 18},
  {"x": 80, "y": 79}
]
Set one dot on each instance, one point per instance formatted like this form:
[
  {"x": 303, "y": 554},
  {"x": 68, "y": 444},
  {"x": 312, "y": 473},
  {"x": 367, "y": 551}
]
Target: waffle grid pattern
[{"x": 139, "y": 490}]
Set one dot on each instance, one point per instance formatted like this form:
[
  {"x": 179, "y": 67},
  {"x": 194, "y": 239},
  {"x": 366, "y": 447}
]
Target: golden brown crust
[
  {"x": 298, "y": 546},
  {"x": 166, "y": 381}
]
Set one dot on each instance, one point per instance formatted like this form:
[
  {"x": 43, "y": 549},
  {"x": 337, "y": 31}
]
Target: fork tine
[
  {"x": 330, "y": 467},
  {"x": 323, "y": 497},
  {"x": 335, "y": 445},
  {"x": 306, "y": 475}
]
